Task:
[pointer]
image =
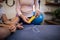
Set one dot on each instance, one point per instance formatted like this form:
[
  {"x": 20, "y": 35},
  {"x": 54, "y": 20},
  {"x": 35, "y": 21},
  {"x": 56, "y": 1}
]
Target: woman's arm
[
  {"x": 18, "y": 7},
  {"x": 36, "y": 5},
  {"x": 37, "y": 8}
]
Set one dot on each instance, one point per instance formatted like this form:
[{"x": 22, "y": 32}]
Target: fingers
[
  {"x": 20, "y": 27},
  {"x": 37, "y": 13},
  {"x": 12, "y": 28},
  {"x": 26, "y": 18}
]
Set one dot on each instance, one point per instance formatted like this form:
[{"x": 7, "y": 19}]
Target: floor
[{"x": 37, "y": 32}]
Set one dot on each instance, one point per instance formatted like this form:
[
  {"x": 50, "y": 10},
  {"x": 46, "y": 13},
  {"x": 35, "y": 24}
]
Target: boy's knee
[
  {"x": 4, "y": 32},
  {"x": 17, "y": 18}
]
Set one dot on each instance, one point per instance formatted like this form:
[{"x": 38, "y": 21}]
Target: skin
[
  {"x": 10, "y": 27},
  {"x": 5, "y": 31}
]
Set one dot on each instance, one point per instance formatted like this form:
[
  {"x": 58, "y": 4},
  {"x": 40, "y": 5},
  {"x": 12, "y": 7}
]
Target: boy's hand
[{"x": 12, "y": 28}]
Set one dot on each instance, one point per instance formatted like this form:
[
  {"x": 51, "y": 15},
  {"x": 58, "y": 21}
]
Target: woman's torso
[{"x": 27, "y": 7}]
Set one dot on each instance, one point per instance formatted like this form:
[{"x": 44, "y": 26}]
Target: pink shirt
[{"x": 25, "y": 7}]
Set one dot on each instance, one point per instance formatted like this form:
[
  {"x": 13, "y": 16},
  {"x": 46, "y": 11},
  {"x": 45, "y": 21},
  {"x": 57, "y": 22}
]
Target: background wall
[{"x": 44, "y": 8}]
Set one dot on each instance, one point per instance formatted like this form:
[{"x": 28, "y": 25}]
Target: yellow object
[{"x": 31, "y": 19}]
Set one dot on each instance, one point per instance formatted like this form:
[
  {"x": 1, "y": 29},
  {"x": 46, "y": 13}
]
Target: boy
[
  {"x": 4, "y": 30},
  {"x": 6, "y": 26}
]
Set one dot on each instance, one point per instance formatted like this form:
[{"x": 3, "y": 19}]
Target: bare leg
[
  {"x": 4, "y": 33},
  {"x": 15, "y": 21}
]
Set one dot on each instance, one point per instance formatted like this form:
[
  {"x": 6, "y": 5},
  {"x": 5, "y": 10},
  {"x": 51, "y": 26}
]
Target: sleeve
[
  {"x": 36, "y": 5},
  {"x": 18, "y": 7}
]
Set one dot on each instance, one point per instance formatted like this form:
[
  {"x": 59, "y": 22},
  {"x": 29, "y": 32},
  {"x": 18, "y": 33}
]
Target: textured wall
[{"x": 44, "y": 8}]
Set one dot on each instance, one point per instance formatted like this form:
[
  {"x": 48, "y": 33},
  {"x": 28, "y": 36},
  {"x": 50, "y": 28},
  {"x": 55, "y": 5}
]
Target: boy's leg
[
  {"x": 4, "y": 32},
  {"x": 4, "y": 18},
  {"x": 15, "y": 20},
  {"x": 12, "y": 21}
]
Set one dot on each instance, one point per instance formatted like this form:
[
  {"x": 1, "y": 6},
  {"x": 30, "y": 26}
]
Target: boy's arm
[
  {"x": 4, "y": 18},
  {"x": 2, "y": 25}
]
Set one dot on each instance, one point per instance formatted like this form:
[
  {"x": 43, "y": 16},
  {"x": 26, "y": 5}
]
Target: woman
[{"x": 25, "y": 9}]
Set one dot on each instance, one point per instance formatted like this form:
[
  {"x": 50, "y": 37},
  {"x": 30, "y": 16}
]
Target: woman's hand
[
  {"x": 37, "y": 13},
  {"x": 26, "y": 19}
]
